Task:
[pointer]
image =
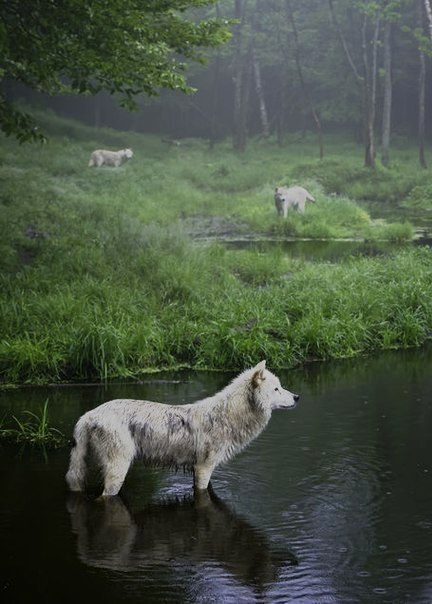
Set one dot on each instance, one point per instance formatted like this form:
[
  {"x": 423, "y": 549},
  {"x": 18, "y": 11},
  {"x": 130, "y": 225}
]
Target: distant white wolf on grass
[
  {"x": 291, "y": 197},
  {"x": 102, "y": 157},
  {"x": 196, "y": 437}
]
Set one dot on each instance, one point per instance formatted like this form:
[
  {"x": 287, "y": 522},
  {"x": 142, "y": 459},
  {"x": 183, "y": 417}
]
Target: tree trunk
[
  {"x": 370, "y": 76},
  {"x": 366, "y": 82},
  {"x": 97, "y": 111},
  {"x": 387, "y": 102},
  {"x": 428, "y": 10},
  {"x": 354, "y": 69},
  {"x": 260, "y": 94},
  {"x": 216, "y": 85},
  {"x": 239, "y": 126},
  {"x": 422, "y": 79},
  {"x": 305, "y": 91},
  {"x": 280, "y": 119},
  {"x": 421, "y": 119},
  {"x": 215, "y": 99}
]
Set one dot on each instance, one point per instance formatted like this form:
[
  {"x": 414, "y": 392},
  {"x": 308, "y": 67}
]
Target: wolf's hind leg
[
  {"x": 114, "y": 474},
  {"x": 75, "y": 476}
]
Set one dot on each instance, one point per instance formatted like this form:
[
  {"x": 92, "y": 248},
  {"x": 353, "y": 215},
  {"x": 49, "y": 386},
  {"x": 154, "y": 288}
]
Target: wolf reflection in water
[{"x": 191, "y": 531}]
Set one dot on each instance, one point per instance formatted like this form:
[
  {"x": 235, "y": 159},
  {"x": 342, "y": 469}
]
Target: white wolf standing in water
[
  {"x": 110, "y": 158},
  {"x": 197, "y": 436},
  {"x": 291, "y": 197}
]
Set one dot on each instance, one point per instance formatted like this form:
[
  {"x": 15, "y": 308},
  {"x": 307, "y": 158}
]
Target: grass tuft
[{"x": 33, "y": 430}]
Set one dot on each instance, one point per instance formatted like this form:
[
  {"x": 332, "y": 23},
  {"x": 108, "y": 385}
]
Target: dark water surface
[
  {"x": 333, "y": 502},
  {"x": 325, "y": 250}
]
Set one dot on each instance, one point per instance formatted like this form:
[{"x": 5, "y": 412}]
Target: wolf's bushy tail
[{"x": 75, "y": 476}]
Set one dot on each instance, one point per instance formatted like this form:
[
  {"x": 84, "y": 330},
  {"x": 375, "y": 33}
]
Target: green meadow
[{"x": 102, "y": 275}]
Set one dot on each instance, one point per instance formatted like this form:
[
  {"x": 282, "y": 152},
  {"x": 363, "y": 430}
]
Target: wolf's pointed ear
[{"x": 258, "y": 374}]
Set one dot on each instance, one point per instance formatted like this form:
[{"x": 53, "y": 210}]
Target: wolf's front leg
[{"x": 202, "y": 475}]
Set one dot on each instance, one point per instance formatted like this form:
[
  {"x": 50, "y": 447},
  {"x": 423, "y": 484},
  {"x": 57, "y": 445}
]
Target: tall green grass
[
  {"x": 33, "y": 429},
  {"x": 224, "y": 311},
  {"x": 112, "y": 285}
]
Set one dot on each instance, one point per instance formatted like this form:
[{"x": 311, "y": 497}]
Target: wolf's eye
[{"x": 276, "y": 389}]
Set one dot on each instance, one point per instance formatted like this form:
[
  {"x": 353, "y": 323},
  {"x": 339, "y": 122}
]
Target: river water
[{"x": 332, "y": 503}]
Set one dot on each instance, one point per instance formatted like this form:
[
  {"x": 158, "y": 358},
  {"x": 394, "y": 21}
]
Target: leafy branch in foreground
[
  {"x": 34, "y": 430},
  {"x": 76, "y": 47}
]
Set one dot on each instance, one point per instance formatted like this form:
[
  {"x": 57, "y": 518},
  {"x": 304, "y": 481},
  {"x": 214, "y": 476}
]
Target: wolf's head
[
  {"x": 279, "y": 194},
  {"x": 268, "y": 391}
]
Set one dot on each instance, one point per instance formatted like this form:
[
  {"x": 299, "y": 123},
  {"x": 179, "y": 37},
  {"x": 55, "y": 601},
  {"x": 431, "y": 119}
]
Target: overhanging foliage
[{"x": 125, "y": 47}]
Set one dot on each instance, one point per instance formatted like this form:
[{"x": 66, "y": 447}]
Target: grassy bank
[{"x": 100, "y": 279}]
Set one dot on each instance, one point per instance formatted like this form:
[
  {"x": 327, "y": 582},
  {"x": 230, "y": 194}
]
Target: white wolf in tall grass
[
  {"x": 197, "y": 436},
  {"x": 291, "y": 197},
  {"x": 102, "y": 157}
]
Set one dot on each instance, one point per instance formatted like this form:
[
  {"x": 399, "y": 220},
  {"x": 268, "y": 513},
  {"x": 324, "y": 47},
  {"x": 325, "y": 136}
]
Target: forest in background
[{"x": 360, "y": 66}]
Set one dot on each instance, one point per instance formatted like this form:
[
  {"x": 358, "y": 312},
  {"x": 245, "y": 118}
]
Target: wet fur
[{"x": 197, "y": 436}]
